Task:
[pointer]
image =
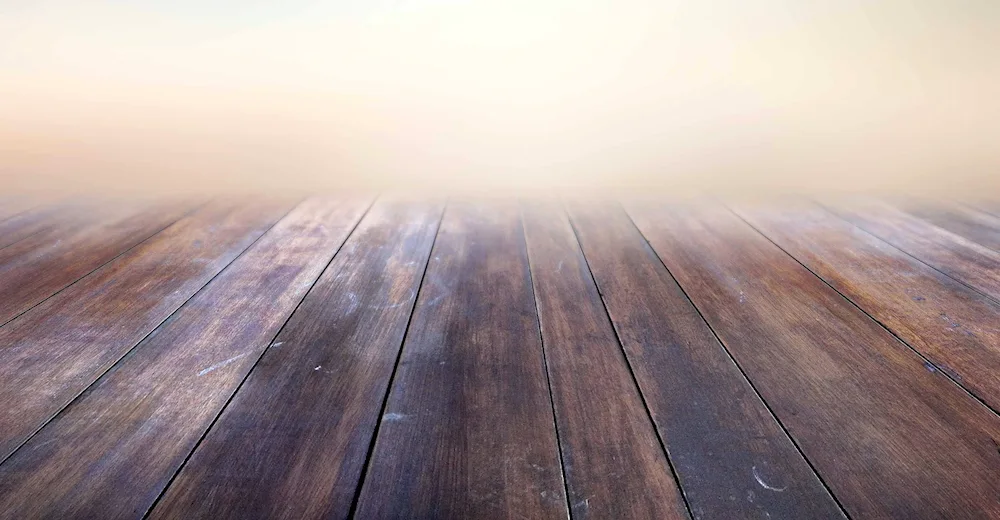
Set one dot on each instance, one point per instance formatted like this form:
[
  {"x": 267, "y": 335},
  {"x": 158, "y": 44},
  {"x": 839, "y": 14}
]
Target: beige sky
[{"x": 665, "y": 96}]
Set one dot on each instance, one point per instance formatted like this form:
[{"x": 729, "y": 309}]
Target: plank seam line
[
  {"x": 545, "y": 365},
  {"x": 743, "y": 372},
  {"x": 50, "y": 211},
  {"x": 628, "y": 365},
  {"x": 907, "y": 253},
  {"x": 33, "y": 233},
  {"x": 967, "y": 208},
  {"x": 873, "y": 318},
  {"x": 369, "y": 455},
  {"x": 129, "y": 352},
  {"x": 263, "y": 352},
  {"x": 112, "y": 259},
  {"x": 18, "y": 241},
  {"x": 19, "y": 213}
]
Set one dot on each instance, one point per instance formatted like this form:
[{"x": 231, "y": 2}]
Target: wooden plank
[
  {"x": 468, "y": 430},
  {"x": 113, "y": 450},
  {"x": 732, "y": 458},
  {"x": 953, "y": 326},
  {"x": 40, "y": 265},
  {"x": 891, "y": 438},
  {"x": 293, "y": 442},
  {"x": 51, "y": 353},
  {"x": 615, "y": 465},
  {"x": 978, "y": 226},
  {"x": 41, "y": 219},
  {"x": 13, "y": 206},
  {"x": 964, "y": 260}
]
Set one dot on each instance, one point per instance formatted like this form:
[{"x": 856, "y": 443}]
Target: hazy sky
[{"x": 671, "y": 96}]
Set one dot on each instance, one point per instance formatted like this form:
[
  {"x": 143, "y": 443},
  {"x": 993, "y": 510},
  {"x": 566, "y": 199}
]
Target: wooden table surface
[{"x": 416, "y": 357}]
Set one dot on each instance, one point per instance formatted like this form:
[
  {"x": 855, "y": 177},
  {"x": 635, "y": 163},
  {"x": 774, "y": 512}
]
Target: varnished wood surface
[{"x": 495, "y": 358}]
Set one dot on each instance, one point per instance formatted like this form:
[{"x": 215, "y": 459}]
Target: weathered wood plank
[
  {"x": 468, "y": 430},
  {"x": 40, "y": 265},
  {"x": 113, "y": 450},
  {"x": 35, "y": 220},
  {"x": 293, "y": 442},
  {"x": 614, "y": 463},
  {"x": 13, "y": 206},
  {"x": 953, "y": 326},
  {"x": 732, "y": 458},
  {"x": 964, "y": 260},
  {"x": 978, "y": 226},
  {"x": 890, "y": 437},
  {"x": 53, "y": 352}
]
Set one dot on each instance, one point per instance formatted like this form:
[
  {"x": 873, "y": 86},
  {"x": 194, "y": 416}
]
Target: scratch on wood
[{"x": 222, "y": 364}]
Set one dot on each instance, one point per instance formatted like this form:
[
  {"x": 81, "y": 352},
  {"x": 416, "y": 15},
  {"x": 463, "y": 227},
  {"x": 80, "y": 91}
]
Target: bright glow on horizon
[{"x": 672, "y": 96}]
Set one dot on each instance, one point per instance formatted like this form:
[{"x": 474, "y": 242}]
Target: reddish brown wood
[
  {"x": 54, "y": 351},
  {"x": 949, "y": 323},
  {"x": 43, "y": 219},
  {"x": 38, "y": 266},
  {"x": 293, "y": 442},
  {"x": 111, "y": 452},
  {"x": 732, "y": 458},
  {"x": 468, "y": 430},
  {"x": 615, "y": 466},
  {"x": 890, "y": 437},
  {"x": 962, "y": 259}
]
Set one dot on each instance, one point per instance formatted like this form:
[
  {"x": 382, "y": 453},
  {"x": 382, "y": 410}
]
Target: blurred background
[{"x": 721, "y": 96}]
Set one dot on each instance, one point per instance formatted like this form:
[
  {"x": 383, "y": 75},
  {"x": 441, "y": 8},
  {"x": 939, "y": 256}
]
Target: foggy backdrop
[{"x": 500, "y": 95}]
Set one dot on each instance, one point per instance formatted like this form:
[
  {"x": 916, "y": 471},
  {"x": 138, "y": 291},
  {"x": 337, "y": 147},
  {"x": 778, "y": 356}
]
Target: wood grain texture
[
  {"x": 468, "y": 430},
  {"x": 53, "y": 352},
  {"x": 720, "y": 436},
  {"x": 24, "y": 224},
  {"x": 293, "y": 442},
  {"x": 962, "y": 259},
  {"x": 38, "y": 266},
  {"x": 978, "y": 226},
  {"x": 891, "y": 438},
  {"x": 113, "y": 450},
  {"x": 615, "y": 466},
  {"x": 953, "y": 326}
]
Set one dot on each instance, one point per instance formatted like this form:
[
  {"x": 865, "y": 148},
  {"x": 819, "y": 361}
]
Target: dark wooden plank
[
  {"x": 978, "y": 226},
  {"x": 964, "y": 260},
  {"x": 731, "y": 456},
  {"x": 614, "y": 463},
  {"x": 891, "y": 438},
  {"x": 40, "y": 265},
  {"x": 53, "y": 352},
  {"x": 468, "y": 430},
  {"x": 113, "y": 450},
  {"x": 952, "y": 325},
  {"x": 293, "y": 442}
]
